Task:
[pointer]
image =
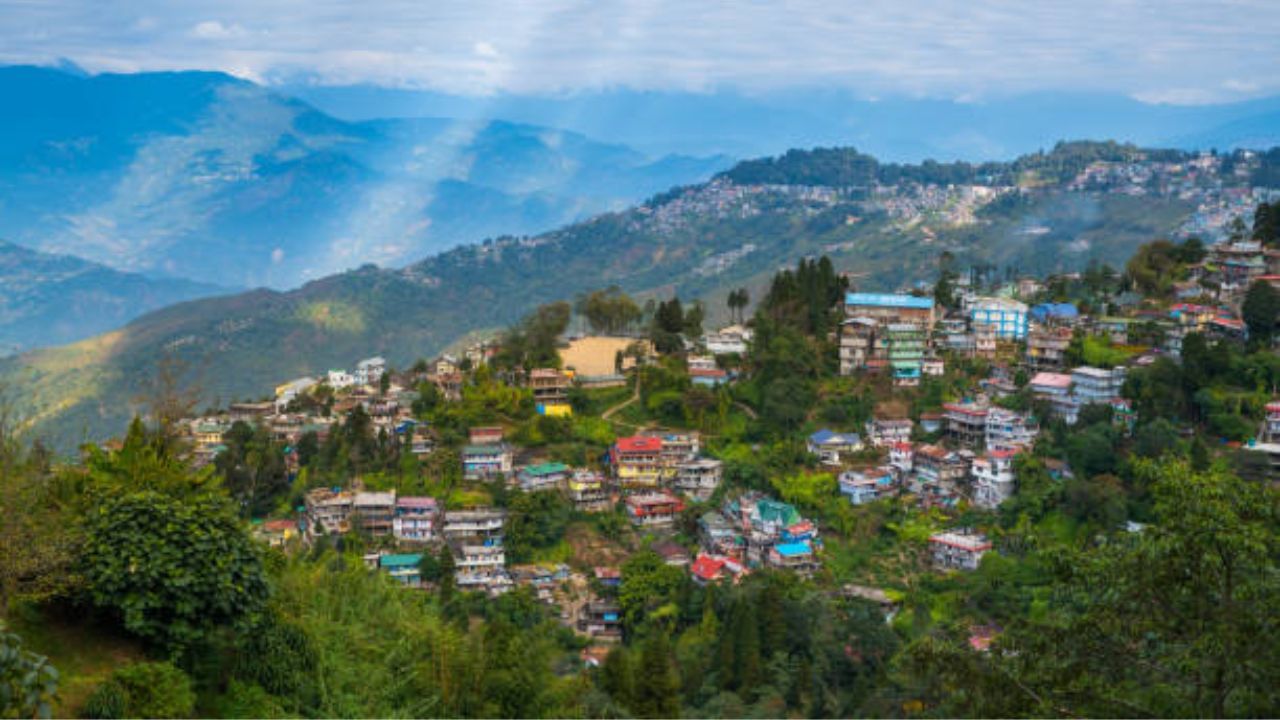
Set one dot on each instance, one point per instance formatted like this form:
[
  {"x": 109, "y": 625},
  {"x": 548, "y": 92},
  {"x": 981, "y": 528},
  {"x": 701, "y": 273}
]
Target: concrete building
[
  {"x": 993, "y": 478},
  {"x": 958, "y": 550},
  {"x": 698, "y": 479},
  {"x": 1007, "y": 317}
]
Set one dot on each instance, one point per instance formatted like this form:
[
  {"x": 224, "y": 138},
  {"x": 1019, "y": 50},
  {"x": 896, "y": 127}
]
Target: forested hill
[{"x": 698, "y": 241}]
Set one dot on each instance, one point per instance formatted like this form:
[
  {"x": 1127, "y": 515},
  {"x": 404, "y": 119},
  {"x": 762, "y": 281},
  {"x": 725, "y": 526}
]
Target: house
[
  {"x": 339, "y": 379},
  {"x": 550, "y": 391},
  {"x": 289, "y": 391},
  {"x": 905, "y": 345},
  {"x": 1055, "y": 388},
  {"x": 1007, "y": 317},
  {"x": 543, "y": 476},
  {"x": 479, "y": 564},
  {"x": 487, "y": 435},
  {"x": 654, "y": 509},
  {"x": 1047, "y": 347},
  {"x": 958, "y": 550},
  {"x": 403, "y": 568},
  {"x": 486, "y": 461},
  {"x": 477, "y": 522},
  {"x": 864, "y": 486},
  {"x": 250, "y": 412},
  {"x": 930, "y": 422},
  {"x": 1096, "y": 385},
  {"x": 718, "y": 535},
  {"x": 375, "y": 511},
  {"x": 902, "y": 457},
  {"x": 881, "y": 330},
  {"x": 887, "y": 604},
  {"x": 699, "y": 478},
  {"x": 708, "y": 377},
  {"x": 731, "y": 340},
  {"x": 586, "y": 489},
  {"x": 933, "y": 367},
  {"x": 828, "y": 445},
  {"x": 707, "y": 569},
  {"x": 937, "y": 473},
  {"x": 609, "y": 577},
  {"x": 677, "y": 447},
  {"x": 671, "y": 553},
  {"x": 993, "y": 478},
  {"x": 415, "y": 520},
  {"x": 276, "y": 533},
  {"x": 370, "y": 371},
  {"x": 1009, "y": 430},
  {"x": 890, "y": 308},
  {"x": 966, "y": 422},
  {"x": 328, "y": 511},
  {"x": 601, "y": 619},
  {"x": 795, "y": 556},
  {"x": 637, "y": 461},
  {"x": 885, "y": 432}
]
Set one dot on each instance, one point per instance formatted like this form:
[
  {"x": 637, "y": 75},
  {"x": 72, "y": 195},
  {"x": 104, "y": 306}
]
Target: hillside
[
  {"x": 697, "y": 241},
  {"x": 204, "y": 176},
  {"x": 57, "y": 299}
]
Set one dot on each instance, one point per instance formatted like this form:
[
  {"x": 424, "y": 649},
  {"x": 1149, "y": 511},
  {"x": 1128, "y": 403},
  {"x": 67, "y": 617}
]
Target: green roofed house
[
  {"x": 543, "y": 476},
  {"x": 403, "y": 567}
]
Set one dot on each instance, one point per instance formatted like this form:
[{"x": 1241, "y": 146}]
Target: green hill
[{"x": 697, "y": 241}]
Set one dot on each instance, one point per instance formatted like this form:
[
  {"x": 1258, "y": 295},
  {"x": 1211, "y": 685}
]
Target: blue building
[{"x": 1007, "y": 317}]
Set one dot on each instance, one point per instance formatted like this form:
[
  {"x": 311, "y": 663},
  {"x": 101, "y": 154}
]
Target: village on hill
[{"x": 640, "y": 439}]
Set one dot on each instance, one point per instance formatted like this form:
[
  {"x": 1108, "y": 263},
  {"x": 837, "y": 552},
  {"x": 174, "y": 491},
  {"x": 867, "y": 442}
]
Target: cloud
[
  {"x": 215, "y": 30},
  {"x": 1166, "y": 48}
]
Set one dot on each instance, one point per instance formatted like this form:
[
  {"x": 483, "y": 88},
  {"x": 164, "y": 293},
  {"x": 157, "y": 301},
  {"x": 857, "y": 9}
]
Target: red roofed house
[
  {"x": 654, "y": 509},
  {"x": 637, "y": 461}
]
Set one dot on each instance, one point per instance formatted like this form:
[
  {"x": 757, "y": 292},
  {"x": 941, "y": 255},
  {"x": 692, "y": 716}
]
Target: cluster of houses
[{"x": 753, "y": 531}]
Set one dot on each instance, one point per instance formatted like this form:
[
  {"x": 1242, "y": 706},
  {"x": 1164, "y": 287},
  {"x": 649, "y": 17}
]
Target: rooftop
[{"x": 889, "y": 301}]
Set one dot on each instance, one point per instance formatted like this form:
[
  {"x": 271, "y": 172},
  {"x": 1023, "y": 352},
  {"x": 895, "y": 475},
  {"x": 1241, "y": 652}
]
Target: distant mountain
[
  {"x": 901, "y": 129},
  {"x": 57, "y": 299},
  {"x": 699, "y": 241},
  {"x": 204, "y": 176}
]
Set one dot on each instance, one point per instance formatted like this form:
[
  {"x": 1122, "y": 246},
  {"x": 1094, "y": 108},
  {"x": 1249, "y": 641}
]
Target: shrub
[{"x": 143, "y": 690}]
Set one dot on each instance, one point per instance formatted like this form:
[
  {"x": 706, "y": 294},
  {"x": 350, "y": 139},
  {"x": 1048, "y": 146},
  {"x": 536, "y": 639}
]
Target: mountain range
[
  {"x": 203, "y": 176},
  {"x": 886, "y": 225},
  {"x": 897, "y": 128},
  {"x": 57, "y": 299}
]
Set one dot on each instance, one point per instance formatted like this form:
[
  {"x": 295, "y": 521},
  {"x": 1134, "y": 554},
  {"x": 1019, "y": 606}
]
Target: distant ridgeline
[{"x": 885, "y": 225}]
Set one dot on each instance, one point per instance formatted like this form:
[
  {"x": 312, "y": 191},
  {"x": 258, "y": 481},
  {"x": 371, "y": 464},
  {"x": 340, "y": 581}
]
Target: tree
[
  {"x": 172, "y": 570},
  {"x": 657, "y": 688},
  {"x": 170, "y": 394},
  {"x": 1177, "y": 619},
  {"x": 28, "y": 683},
  {"x": 1261, "y": 310}
]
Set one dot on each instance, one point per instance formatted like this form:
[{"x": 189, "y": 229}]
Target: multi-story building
[
  {"x": 864, "y": 486},
  {"x": 654, "y": 509},
  {"x": 486, "y": 461},
  {"x": 375, "y": 511},
  {"x": 416, "y": 519},
  {"x": 966, "y": 422},
  {"x": 550, "y": 391},
  {"x": 961, "y": 550},
  {"x": 984, "y": 341},
  {"x": 601, "y": 619},
  {"x": 637, "y": 461},
  {"x": 797, "y": 557},
  {"x": 828, "y": 445},
  {"x": 1047, "y": 347},
  {"x": 905, "y": 345},
  {"x": 1096, "y": 385},
  {"x": 370, "y": 371},
  {"x": 678, "y": 447},
  {"x": 1055, "y": 388},
  {"x": 731, "y": 340},
  {"x": 404, "y": 568},
  {"x": 857, "y": 343},
  {"x": 543, "y": 476},
  {"x": 1007, "y": 317},
  {"x": 699, "y": 478},
  {"x": 885, "y": 432},
  {"x": 902, "y": 458},
  {"x": 478, "y": 564},
  {"x": 886, "y": 308},
  {"x": 473, "y": 523},
  {"x": 485, "y": 435},
  {"x": 993, "y": 478},
  {"x": 1271, "y": 425},
  {"x": 587, "y": 490},
  {"x": 1009, "y": 430},
  {"x": 328, "y": 511}
]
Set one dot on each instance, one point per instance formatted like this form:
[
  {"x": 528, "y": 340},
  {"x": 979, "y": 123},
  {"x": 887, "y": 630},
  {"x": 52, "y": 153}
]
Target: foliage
[
  {"x": 28, "y": 683},
  {"x": 173, "y": 570},
  {"x": 1261, "y": 310},
  {"x": 143, "y": 690}
]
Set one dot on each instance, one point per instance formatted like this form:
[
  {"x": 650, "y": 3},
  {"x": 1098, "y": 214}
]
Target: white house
[
  {"x": 370, "y": 370},
  {"x": 993, "y": 478},
  {"x": 340, "y": 379}
]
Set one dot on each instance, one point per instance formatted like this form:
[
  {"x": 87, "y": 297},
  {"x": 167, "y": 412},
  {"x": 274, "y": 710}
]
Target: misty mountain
[
  {"x": 57, "y": 299},
  {"x": 204, "y": 176},
  {"x": 899, "y": 129}
]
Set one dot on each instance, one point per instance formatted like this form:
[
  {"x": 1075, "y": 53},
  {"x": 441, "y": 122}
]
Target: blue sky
[{"x": 1174, "y": 51}]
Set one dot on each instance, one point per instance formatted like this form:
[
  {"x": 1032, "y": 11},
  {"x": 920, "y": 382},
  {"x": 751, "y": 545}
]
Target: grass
[{"x": 78, "y": 644}]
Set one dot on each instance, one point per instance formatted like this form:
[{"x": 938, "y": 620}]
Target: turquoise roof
[
  {"x": 889, "y": 300},
  {"x": 543, "y": 469},
  {"x": 399, "y": 561},
  {"x": 793, "y": 549}
]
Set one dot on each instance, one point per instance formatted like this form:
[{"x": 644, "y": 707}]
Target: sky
[{"x": 1165, "y": 51}]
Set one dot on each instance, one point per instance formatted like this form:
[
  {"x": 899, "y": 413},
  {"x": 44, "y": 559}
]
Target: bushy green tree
[
  {"x": 173, "y": 570},
  {"x": 143, "y": 690}
]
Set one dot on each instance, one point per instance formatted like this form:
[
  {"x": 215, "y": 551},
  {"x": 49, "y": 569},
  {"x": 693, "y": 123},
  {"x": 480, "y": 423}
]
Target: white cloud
[
  {"x": 1167, "y": 48},
  {"x": 215, "y": 30}
]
